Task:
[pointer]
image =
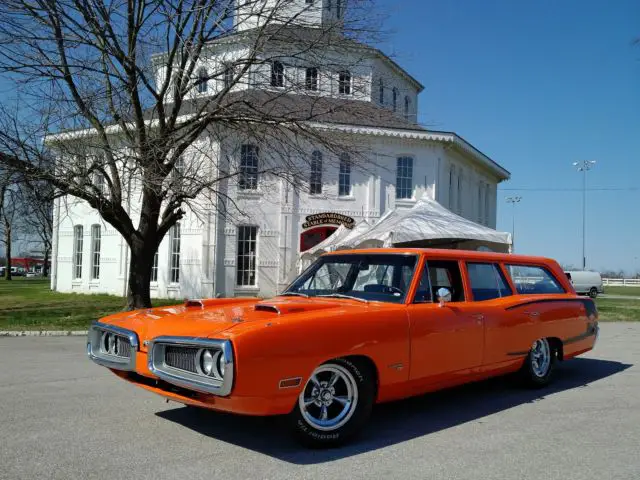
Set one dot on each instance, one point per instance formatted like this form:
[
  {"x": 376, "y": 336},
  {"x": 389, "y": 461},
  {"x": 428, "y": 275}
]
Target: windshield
[{"x": 375, "y": 277}]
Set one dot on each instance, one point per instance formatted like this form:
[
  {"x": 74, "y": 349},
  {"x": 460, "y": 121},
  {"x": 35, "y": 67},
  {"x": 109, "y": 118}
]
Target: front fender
[{"x": 282, "y": 349}]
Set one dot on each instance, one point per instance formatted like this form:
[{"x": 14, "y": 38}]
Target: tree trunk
[
  {"x": 7, "y": 240},
  {"x": 138, "y": 293},
  {"x": 45, "y": 265}
]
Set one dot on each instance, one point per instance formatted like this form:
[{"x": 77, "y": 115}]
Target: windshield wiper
[
  {"x": 340, "y": 295},
  {"x": 293, "y": 294}
]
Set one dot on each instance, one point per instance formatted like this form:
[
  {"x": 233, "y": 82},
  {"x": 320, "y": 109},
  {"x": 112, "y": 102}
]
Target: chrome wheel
[
  {"x": 540, "y": 357},
  {"x": 329, "y": 398}
]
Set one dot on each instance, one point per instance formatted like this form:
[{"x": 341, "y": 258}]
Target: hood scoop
[
  {"x": 265, "y": 307},
  {"x": 284, "y": 307}
]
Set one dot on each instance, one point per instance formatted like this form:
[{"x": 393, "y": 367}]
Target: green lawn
[
  {"x": 630, "y": 291},
  {"x": 618, "y": 309},
  {"x": 28, "y": 304}
]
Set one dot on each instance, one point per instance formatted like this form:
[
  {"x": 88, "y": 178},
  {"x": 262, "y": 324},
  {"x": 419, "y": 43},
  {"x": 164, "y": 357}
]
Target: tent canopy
[
  {"x": 430, "y": 223},
  {"x": 427, "y": 224}
]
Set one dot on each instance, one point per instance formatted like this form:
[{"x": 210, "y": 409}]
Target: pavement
[{"x": 63, "y": 417}]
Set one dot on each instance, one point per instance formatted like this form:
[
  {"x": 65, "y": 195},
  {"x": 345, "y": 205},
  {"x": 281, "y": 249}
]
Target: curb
[{"x": 44, "y": 333}]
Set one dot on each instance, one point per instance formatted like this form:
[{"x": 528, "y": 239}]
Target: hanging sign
[{"x": 328, "y": 218}]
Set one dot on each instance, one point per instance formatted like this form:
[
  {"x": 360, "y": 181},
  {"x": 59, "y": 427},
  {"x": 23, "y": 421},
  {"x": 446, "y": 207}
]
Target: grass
[
  {"x": 630, "y": 291},
  {"x": 29, "y": 304},
  {"x": 618, "y": 309}
]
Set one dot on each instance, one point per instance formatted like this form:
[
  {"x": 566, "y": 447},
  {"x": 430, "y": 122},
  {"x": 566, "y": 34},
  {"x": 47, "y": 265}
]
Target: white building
[{"x": 210, "y": 255}]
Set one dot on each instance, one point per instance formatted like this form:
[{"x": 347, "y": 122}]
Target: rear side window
[
  {"x": 487, "y": 281},
  {"x": 533, "y": 280}
]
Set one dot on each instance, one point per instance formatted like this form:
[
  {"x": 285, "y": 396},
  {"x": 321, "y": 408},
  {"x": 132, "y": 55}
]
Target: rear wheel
[
  {"x": 540, "y": 363},
  {"x": 334, "y": 404},
  {"x": 593, "y": 293}
]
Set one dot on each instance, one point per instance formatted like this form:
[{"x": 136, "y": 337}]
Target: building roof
[{"x": 353, "y": 116}]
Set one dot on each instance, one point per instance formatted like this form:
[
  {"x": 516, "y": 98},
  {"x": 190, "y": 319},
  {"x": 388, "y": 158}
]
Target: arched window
[
  {"x": 248, "y": 178},
  {"x": 381, "y": 92},
  {"x": 277, "y": 74},
  {"x": 77, "y": 251},
  {"x": 407, "y": 107},
  {"x": 311, "y": 78},
  {"x": 460, "y": 187},
  {"x": 344, "y": 177},
  {"x": 394, "y": 100},
  {"x": 95, "y": 251},
  {"x": 229, "y": 76},
  {"x": 203, "y": 79},
  {"x": 174, "y": 254},
  {"x": 344, "y": 82},
  {"x": 404, "y": 178},
  {"x": 315, "y": 181}
]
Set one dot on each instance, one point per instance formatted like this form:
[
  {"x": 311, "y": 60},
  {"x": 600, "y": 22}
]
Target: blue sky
[{"x": 537, "y": 85}]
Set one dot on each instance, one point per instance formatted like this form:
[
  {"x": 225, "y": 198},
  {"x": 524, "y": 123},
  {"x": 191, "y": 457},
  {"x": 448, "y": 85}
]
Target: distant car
[
  {"x": 356, "y": 328},
  {"x": 586, "y": 283}
]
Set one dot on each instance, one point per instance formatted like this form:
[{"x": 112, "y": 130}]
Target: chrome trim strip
[
  {"x": 111, "y": 361},
  {"x": 201, "y": 383}
]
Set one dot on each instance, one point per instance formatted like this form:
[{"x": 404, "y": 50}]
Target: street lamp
[
  {"x": 513, "y": 201},
  {"x": 584, "y": 166}
]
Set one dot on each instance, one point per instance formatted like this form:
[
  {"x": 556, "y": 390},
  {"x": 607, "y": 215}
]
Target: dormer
[{"x": 308, "y": 13}]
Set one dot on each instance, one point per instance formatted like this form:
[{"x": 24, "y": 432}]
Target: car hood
[{"x": 210, "y": 318}]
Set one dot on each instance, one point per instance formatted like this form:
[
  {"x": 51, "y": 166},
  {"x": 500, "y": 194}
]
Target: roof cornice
[{"x": 448, "y": 138}]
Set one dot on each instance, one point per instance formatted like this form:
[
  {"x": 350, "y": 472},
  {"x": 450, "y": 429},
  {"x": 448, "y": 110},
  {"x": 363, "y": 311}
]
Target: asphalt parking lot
[{"x": 63, "y": 417}]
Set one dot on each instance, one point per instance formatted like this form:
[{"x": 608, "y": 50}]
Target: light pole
[
  {"x": 513, "y": 201},
  {"x": 584, "y": 166}
]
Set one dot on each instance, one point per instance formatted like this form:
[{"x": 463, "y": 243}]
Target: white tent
[{"x": 429, "y": 224}]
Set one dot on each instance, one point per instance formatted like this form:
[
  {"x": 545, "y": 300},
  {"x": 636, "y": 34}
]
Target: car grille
[{"x": 182, "y": 358}]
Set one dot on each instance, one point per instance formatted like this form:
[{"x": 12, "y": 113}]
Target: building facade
[{"x": 209, "y": 254}]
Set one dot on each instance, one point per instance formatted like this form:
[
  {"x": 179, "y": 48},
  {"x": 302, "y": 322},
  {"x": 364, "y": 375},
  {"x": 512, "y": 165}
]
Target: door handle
[
  {"x": 478, "y": 316},
  {"x": 532, "y": 314}
]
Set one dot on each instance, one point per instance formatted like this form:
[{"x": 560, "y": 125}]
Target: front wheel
[
  {"x": 539, "y": 364},
  {"x": 593, "y": 293},
  {"x": 335, "y": 403}
]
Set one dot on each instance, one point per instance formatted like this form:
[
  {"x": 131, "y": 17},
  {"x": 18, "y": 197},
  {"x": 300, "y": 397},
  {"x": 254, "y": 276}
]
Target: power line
[{"x": 603, "y": 189}]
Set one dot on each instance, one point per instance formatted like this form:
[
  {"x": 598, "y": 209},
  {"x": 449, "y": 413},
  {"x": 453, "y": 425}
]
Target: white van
[{"x": 588, "y": 283}]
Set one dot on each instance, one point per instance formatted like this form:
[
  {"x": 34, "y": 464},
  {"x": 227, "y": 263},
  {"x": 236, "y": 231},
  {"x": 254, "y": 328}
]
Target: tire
[
  {"x": 351, "y": 381},
  {"x": 593, "y": 292},
  {"x": 539, "y": 365}
]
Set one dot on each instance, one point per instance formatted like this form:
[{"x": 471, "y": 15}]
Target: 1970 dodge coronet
[{"x": 356, "y": 328}]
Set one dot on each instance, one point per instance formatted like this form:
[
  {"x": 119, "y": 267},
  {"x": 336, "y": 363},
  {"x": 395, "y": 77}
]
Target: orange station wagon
[{"x": 356, "y": 328}]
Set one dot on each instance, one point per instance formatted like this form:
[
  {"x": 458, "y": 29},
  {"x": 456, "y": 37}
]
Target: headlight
[
  {"x": 207, "y": 362},
  {"x": 212, "y": 363},
  {"x": 221, "y": 364}
]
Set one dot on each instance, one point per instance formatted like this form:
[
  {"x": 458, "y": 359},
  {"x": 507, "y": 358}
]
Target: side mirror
[{"x": 443, "y": 295}]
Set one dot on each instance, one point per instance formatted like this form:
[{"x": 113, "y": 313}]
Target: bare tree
[
  {"x": 9, "y": 206},
  {"x": 127, "y": 89}
]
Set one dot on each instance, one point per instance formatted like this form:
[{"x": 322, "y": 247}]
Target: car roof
[{"x": 458, "y": 254}]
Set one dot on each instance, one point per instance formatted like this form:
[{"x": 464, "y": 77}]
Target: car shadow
[{"x": 395, "y": 422}]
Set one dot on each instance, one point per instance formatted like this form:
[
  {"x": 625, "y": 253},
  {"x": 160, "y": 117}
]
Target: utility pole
[
  {"x": 584, "y": 166},
  {"x": 513, "y": 201}
]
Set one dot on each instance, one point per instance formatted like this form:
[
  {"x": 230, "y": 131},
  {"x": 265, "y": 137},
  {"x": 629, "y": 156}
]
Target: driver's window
[
  {"x": 423, "y": 294},
  {"x": 446, "y": 274}
]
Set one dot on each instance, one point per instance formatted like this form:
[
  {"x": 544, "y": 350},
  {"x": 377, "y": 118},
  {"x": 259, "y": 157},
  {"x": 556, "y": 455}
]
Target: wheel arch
[{"x": 557, "y": 345}]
